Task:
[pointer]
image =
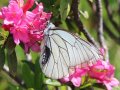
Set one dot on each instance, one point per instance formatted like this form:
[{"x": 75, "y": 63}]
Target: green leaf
[
  {"x": 39, "y": 77},
  {"x": 37, "y": 67},
  {"x": 11, "y": 55},
  {"x": 52, "y": 82},
  {"x": 28, "y": 76},
  {"x": 30, "y": 64},
  {"x": 99, "y": 85},
  {"x": 85, "y": 14},
  {"x": 116, "y": 88},
  {"x": 65, "y": 6},
  {"x": 30, "y": 89},
  {"x": 10, "y": 45},
  {"x": 3, "y": 35},
  {"x": 1, "y": 38},
  {"x": 14, "y": 87},
  {"x": 12, "y": 62},
  {"x": 2, "y": 58}
]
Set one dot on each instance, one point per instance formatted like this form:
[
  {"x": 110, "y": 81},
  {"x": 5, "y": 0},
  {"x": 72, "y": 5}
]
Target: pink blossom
[
  {"x": 39, "y": 8},
  {"x": 40, "y": 13},
  {"x": 36, "y": 21},
  {"x": 12, "y": 14},
  {"x": 113, "y": 83},
  {"x": 20, "y": 33},
  {"x": 28, "y": 18},
  {"x": 103, "y": 72},
  {"x": 25, "y": 26},
  {"x": 76, "y": 77}
]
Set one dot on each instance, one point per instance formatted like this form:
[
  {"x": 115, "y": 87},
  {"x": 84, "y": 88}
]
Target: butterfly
[{"x": 61, "y": 50}]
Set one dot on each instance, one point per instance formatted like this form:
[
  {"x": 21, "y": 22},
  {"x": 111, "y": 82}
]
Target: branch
[
  {"x": 100, "y": 28},
  {"x": 79, "y": 23},
  {"x": 110, "y": 16},
  {"x": 15, "y": 78},
  {"x": 100, "y": 23}
]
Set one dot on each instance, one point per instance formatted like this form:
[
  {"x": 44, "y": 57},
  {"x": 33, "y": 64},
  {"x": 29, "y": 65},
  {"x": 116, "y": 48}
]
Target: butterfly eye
[{"x": 46, "y": 55}]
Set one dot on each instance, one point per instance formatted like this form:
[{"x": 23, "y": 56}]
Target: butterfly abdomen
[{"x": 46, "y": 55}]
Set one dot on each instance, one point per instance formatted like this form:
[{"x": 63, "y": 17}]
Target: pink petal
[
  {"x": 20, "y": 34},
  {"x": 16, "y": 39},
  {"x": 20, "y": 3},
  {"x": 114, "y": 82},
  {"x": 1, "y": 17},
  {"x": 39, "y": 8},
  {"x": 108, "y": 86},
  {"x": 76, "y": 81},
  {"x": 35, "y": 47},
  {"x": 29, "y": 17},
  {"x": 28, "y": 5},
  {"x": 65, "y": 79},
  {"x": 12, "y": 13}
]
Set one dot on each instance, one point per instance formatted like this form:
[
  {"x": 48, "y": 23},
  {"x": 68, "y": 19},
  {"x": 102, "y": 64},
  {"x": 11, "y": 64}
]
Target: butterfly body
[
  {"x": 46, "y": 55},
  {"x": 61, "y": 50}
]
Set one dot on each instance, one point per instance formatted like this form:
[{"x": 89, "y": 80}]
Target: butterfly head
[{"x": 49, "y": 26}]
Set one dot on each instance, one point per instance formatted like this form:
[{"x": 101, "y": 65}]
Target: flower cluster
[
  {"x": 101, "y": 71},
  {"x": 25, "y": 26}
]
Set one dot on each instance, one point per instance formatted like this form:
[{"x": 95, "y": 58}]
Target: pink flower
[
  {"x": 25, "y": 26},
  {"x": 12, "y": 14},
  {"x": 103, "y": 72},
  {"x": 75, "y": 78},
  {"x": 36, "y": 21},
  {"x": 20, "y": 33},
  {"x": 113, "y": 83}
]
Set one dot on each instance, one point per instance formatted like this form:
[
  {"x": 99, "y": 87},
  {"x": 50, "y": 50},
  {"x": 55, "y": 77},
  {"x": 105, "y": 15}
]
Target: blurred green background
[{"x": 89, "y": 20}]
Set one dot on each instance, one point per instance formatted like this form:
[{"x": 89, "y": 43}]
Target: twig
[
  {"x": 100, "y": 23},
  {"x": 110, "y": 16},
  {"x": 100, "y": 28},
  {"x": 15, "y": 78},
  {"x": 79, "y": 23}
]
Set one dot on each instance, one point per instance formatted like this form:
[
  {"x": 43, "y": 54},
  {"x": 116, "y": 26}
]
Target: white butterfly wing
[{"x": 65, "y": 51}]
